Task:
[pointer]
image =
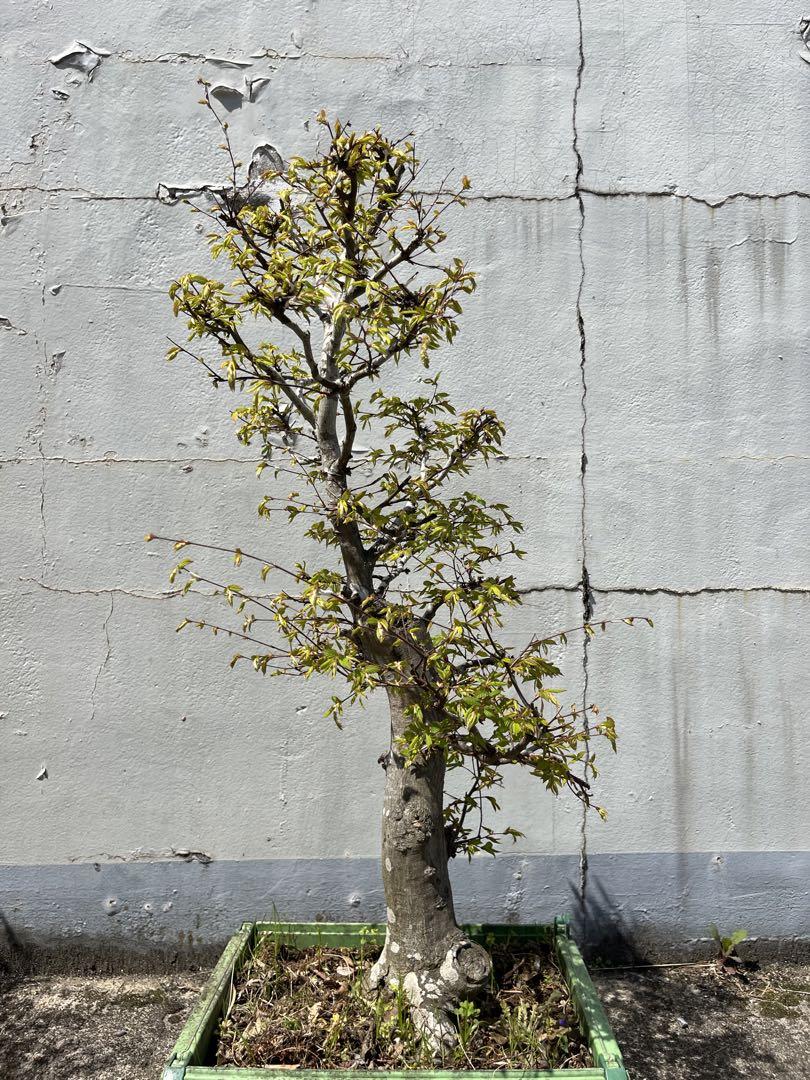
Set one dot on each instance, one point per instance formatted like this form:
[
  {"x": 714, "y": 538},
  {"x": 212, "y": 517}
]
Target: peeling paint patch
[
  {"x": 7, "y": 324},
  {"x": 233, "y": 97},
  {"x": 804, "y": 33},
  {"x": 169, "y": 194},
  {"x": 8, "y": 221},
  {"x": 226, "y": 61},
  {"x": 56, "y": 360},
  {"x": 191, "y": 856},
  {"x": 265, "y": 158},
  {"x": 188, "y": 855},
  {"x": 81, "y": 56}
]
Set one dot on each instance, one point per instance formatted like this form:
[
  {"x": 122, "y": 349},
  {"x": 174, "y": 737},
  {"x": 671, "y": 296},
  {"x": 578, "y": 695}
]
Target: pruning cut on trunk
[{"x": 336, "y": 259}]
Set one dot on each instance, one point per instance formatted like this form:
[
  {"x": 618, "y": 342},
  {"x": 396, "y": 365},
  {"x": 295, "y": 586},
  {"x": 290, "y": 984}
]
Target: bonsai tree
[{"x": 335, "y": 281}]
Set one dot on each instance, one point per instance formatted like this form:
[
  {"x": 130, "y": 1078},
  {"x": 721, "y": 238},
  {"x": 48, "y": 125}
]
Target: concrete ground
[
  {"x": 113, "y": 1027},
  {"x": 673, "y": 1023},
  {"x": 691, "y": 1023}
]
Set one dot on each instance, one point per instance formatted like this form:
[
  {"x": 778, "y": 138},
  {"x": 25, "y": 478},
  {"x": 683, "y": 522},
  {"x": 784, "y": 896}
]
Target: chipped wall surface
[{"x": 639, "y": 223}]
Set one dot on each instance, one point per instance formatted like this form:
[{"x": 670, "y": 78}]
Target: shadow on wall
[
  {"x": 600, "y": 925},
  {"x": 9, "y": 942}
]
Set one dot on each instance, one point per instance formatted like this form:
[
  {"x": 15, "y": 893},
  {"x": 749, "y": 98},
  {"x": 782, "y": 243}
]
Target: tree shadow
[
  {"x": 12, "y": 951},
  {"x": 601, "y": 929},
  {"x": 671, "y": 1022},
  {"x": 689, "y": 1023}
]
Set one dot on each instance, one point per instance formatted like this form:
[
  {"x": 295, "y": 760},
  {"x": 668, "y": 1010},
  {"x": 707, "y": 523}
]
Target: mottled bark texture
[{"x": 425, "y": 951}]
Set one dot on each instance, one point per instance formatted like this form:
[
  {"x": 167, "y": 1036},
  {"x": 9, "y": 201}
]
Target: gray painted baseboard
[{"x": 636, "y": 905}]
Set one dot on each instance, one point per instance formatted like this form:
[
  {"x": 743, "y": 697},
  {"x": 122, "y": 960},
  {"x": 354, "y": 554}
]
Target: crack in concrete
[
  {"x": 666, "y": 590},
  {"x": 703, "y": 590},
  {"x": 763, "y": 240},
  {"x": 43, "y": 533},
  {"x": 529, "y": 590},
  {"x": 105, "y": 661},
  {"x": 78, "y": 193},
  {"x": 60, "y": 460},
  {"x": 161, "y": 58},
  {"x": 84, "y": 195},
  {"x": 702, "y": 200},
  {"x": 585, "y": 587},
  {"x": 508, "y": 197},
  {"x": 543, "y": 459},
  {"x": 298, "y": 55},
  {"x": 43, "y": 415},
  {"x": 166, "y": 594},
  {"x": 139, "y": 289}
]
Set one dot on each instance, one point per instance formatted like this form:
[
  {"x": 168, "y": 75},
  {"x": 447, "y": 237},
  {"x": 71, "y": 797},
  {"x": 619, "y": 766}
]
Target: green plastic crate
[{"x": 196, "y": 1041}]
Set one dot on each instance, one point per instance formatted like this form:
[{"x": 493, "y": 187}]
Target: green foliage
[
  {"x": 335, "y": 258},
  {"x": 727, "y": 945},
  {"x": 468, "y": 1019}
]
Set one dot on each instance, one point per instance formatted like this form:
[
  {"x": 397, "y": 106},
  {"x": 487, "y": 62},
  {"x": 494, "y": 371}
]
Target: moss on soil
[{"x": 779, "y": 1004}]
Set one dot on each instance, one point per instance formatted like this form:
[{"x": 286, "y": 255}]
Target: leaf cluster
[{"x": 334, "y": 278}]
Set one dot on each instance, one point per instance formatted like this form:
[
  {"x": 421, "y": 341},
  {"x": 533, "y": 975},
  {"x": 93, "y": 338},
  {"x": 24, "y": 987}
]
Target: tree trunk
[{"x": 425, "y": 951}]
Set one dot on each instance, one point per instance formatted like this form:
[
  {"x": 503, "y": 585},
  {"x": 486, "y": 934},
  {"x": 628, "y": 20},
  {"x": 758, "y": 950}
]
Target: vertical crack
[
  {"x": 40, "y": 444},
  {"x": 105, "y": 661},
  {"x": 585, "y": 585}
]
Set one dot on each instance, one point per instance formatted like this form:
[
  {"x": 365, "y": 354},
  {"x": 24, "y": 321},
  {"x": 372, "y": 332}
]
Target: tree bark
[{"x": 425, "y": 951}]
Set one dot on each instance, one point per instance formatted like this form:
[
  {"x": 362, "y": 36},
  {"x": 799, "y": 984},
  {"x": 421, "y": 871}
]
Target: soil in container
[{"x": 309, "y": 1008}]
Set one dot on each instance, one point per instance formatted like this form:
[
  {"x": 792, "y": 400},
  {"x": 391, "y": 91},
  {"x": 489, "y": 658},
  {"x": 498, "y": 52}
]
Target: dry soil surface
[{"x": 673, "y": 1023}]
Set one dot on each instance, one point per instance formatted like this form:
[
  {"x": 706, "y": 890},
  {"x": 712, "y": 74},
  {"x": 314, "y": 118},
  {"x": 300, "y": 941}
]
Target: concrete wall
[{"x": 639, "y": 222}]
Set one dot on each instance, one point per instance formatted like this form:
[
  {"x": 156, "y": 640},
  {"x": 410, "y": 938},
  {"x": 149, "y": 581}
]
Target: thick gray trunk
[{"x": 425, "y": 951}]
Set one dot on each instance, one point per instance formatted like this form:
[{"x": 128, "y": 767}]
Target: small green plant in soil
[
  {"x": 728, "y": 960},
  {"x": 311, "y": 1008}
]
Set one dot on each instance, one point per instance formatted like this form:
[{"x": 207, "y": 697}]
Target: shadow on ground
[
  {"x": 693, "y": 1022},
  {"x": 672, "y": 1023},
  {"x": 697, "y": 1024}
]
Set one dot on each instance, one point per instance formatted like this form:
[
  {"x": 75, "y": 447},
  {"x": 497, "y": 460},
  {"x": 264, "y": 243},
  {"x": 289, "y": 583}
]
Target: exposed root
[{"x": 434, "y": 991}]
